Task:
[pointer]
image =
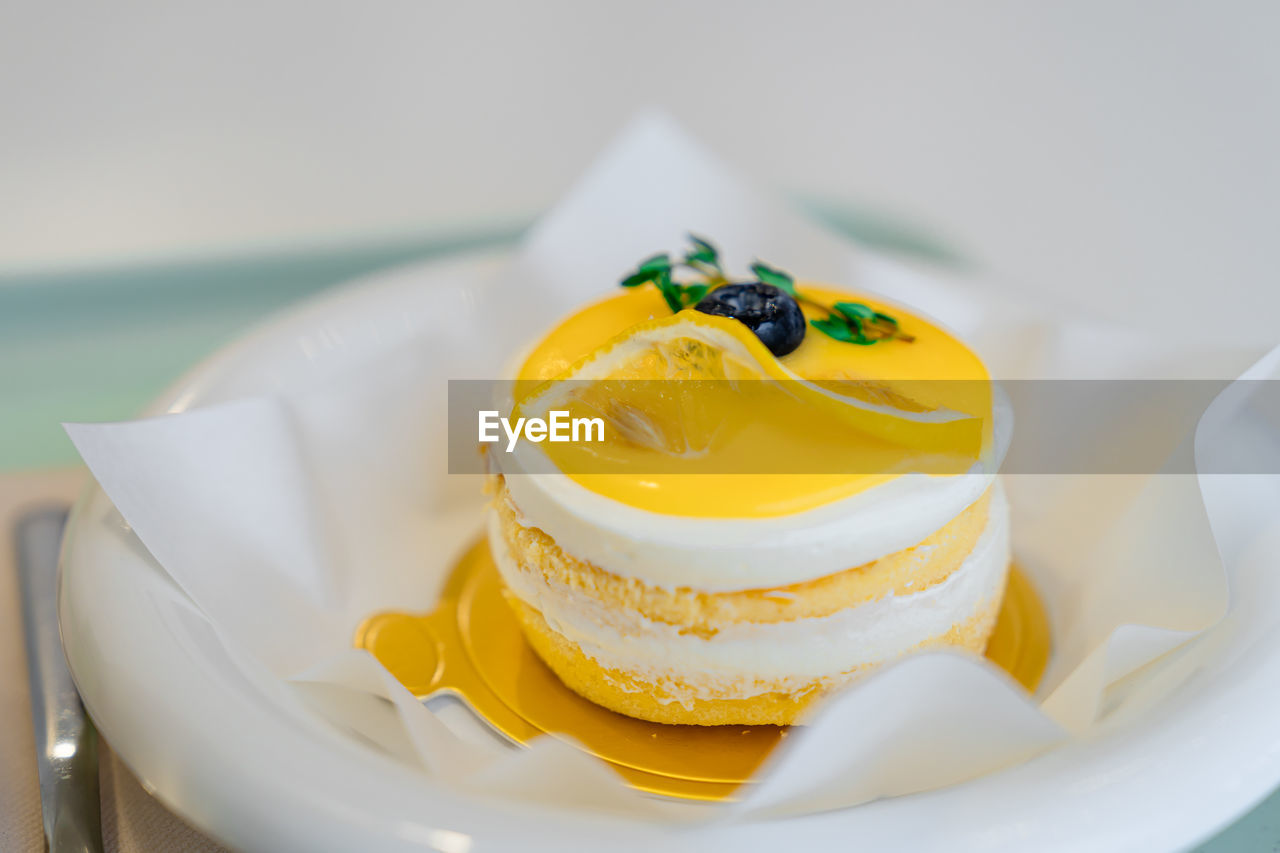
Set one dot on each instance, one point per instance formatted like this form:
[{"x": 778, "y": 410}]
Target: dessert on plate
[{"x": 793, "y": 485}]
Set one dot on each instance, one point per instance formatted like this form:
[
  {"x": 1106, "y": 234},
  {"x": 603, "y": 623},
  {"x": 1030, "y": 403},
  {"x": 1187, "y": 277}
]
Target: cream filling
[
  {"x": 747, "y": 659},
  {"x": 722, "y": 555}
]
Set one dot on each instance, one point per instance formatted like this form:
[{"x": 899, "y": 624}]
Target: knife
[{"x": 66, "y": 743}]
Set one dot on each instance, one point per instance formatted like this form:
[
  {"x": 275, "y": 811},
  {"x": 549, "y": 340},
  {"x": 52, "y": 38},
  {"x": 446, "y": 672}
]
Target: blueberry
[{"x": 764, "y": 309}]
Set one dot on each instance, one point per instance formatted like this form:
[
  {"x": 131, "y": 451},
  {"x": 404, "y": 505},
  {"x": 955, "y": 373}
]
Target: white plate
[{"x": 242, "y": 761}]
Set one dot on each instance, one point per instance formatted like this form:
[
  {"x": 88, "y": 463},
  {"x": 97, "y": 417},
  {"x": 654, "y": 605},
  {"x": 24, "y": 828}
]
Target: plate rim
[{"x": 315, "y": 825}]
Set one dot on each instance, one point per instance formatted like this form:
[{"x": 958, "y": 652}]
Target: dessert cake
[{"x": 794, "y": 485}]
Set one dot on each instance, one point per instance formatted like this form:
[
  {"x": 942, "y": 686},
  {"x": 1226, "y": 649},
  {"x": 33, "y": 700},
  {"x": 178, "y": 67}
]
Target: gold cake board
[{"x": 471, "y": 647}]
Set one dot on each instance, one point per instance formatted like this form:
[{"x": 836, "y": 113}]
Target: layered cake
[{"x": 793, "y": 485}]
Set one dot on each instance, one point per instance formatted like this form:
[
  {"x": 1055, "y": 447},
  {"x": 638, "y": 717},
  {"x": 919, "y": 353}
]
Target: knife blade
[{"x": 66, "y": 742}]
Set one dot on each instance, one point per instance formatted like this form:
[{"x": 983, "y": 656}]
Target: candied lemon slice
[{"x": 698, "y": 394}]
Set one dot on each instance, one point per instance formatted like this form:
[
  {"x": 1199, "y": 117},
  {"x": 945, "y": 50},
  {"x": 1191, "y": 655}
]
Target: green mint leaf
[
  {"x": 704, "y": 245},
  {"x": 673, "y": 299},
  {"x": 670, "y": 291},
  {"x": 638, "y": 278},
  {"x": 855, "y": 311},
  {"x": 775, "y": 277},
  {"x": 695, "y": 257},
  {"x": 863, "y": 320},
  {"x": 649, "y": 270},
  {"x": 842, "y": 330},
  {"x": 703, "y": 252},
  {"x": 834, "y": 328},
  {"x": 658, "y": 263},
  {"x": 693, "y": 293}
]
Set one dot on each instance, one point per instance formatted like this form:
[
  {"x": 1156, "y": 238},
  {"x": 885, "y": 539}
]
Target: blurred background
[{"x": 171, "y": 172}]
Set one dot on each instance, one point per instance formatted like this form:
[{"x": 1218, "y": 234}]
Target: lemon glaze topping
[{"x": 683, "y": 461}]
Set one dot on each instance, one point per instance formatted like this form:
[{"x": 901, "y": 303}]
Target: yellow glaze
[{"x": 807, "y": 429}]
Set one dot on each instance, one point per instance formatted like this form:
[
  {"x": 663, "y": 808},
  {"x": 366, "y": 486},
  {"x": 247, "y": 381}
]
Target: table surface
[
  {"x": 94, "y": 345},
  {"x": 132, "y": 820}
]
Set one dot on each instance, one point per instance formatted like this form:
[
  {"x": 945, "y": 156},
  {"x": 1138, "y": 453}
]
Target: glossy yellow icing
[{"x": 698, "y": 435}]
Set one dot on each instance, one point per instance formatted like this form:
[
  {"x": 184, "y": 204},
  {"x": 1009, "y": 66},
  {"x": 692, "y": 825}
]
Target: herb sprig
[
  {"x": 851, "y": 322},
  {"x": 856, "y": 323},
  {"x": 703, "y": 259}
]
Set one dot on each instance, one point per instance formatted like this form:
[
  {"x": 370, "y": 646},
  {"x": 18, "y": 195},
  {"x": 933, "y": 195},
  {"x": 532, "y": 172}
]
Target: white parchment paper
[{"x": 288, "y": 517}]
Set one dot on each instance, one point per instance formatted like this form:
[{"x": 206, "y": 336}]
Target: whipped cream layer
[
  {"x": 724, "y": 555},
  {"x": 747, "y": 659}
]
